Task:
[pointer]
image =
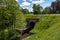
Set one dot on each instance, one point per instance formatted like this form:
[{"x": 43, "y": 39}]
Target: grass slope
[{"x": 48, "y": 28}]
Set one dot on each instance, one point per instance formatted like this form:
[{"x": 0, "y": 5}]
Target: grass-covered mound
[{"x": 47, "y": 28}]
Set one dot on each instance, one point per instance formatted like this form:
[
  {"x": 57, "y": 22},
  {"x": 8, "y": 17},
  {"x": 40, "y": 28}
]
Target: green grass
[{"x": 48, "y": 28}]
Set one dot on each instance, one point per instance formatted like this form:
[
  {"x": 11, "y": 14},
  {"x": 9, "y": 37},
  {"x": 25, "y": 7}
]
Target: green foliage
[
  {"x": 55, "y": 6},
  {"x": 25, "y": 11},
  {"x": 47, "y": 10},
  {"x": 7, "y": 17},
  {"x": 11, "y": 17},
  {"x": 37, "y": 9}
]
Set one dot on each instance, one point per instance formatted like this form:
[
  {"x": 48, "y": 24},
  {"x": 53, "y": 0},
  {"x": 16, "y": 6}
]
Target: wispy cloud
[
  {"x": 38, "y": 2},
  {"x": 25, "y": 4}
]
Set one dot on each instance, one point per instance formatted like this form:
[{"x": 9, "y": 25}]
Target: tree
[
  {"x": 8, "y": 10},
  {"x": 56, "y": 6},
  {"x": 10, "y": 15},
  {"x": 37, "y": 9},
  {"x": 25, "y": 11},
  {"x": 47, "y": 10}
]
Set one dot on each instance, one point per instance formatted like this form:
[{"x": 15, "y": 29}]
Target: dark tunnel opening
[{"x": 30, "y": 25}]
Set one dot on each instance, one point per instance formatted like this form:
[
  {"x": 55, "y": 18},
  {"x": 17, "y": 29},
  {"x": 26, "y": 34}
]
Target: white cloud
[
  {"x": 24, "y": 0},
  {"x": 37, "y": 2},
  {"x": 17, "y": 0},
  {"x": 31, "y": 10},
  {"x": 25, "y": 4},
  {"x": 25, "y": 7}
]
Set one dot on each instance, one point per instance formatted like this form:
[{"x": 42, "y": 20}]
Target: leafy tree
[
  {"x": 7, "y": 13},
  {"x": 37, "y": 9},
  {"x": 55, "y": 6},
  {"x": 25, "y": 11},
  {"x": 10, "y": 16},
  {"x": 47, "y": 10}
]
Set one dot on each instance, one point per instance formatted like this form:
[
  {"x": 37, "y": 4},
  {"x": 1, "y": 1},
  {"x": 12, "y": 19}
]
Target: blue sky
[{"x": 29, "y": 3}]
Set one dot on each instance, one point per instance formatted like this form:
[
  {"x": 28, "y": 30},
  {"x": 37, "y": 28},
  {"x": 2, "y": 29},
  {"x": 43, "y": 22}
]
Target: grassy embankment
[{"x": 48, "y": 28}]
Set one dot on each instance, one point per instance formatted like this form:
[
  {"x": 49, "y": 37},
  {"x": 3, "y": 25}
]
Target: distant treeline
[{"x": 54, "y": 8}]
